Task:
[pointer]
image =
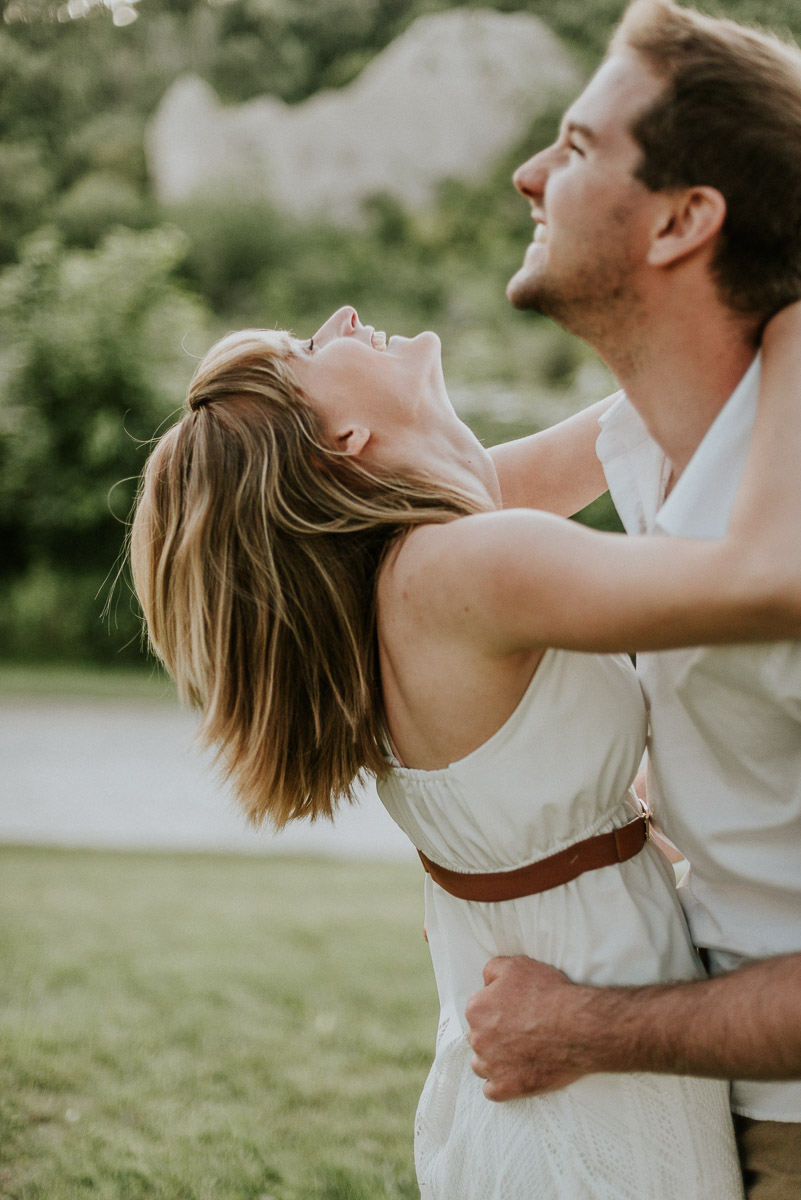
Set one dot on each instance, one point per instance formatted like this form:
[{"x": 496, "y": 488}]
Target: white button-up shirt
[{"x": 725, "y": 724}]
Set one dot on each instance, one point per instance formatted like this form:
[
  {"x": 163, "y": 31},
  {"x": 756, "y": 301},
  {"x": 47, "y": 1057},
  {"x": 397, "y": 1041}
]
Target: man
[{"x": 668, "y": 230}]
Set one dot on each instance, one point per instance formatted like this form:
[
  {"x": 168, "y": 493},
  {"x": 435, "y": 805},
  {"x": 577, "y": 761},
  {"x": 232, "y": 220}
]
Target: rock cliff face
[{"x": 444, "y": 100}]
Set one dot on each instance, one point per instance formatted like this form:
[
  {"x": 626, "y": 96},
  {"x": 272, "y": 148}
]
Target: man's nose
[{"x": 530, "y": 176}]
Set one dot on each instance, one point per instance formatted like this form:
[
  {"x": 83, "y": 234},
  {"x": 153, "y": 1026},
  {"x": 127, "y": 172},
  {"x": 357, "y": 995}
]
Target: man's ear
[
  {"x": 353, "y": 440},
  {"x": 693, "y": 218}
]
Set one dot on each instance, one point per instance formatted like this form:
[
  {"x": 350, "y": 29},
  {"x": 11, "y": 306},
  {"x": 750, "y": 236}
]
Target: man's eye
[
  {"x": 578, "y": 149},
  {"x": 310, "y": 346}
]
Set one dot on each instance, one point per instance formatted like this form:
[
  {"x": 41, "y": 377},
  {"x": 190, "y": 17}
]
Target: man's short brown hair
[{"x": 729, "y": 118}]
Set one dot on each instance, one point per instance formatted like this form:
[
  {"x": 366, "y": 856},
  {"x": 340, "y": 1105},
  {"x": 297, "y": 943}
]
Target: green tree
[{"x": 93, "y": 364}]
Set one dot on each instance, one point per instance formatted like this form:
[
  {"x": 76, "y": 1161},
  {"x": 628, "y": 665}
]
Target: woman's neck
[{"x": 454, "y": 455}]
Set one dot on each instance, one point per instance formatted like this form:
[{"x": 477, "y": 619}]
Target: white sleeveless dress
[{"x": 558, "y": 771}]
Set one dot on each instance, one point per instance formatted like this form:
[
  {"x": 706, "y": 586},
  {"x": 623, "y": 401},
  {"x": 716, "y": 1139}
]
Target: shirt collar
[
  {"x": 637, "y": 469},
  {"x": 633, "y": 463},
  {"x": 701, "y": 502}
]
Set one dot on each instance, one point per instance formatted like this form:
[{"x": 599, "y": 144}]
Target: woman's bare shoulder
[
  {"x": 448, "y": 573},
  {"x": 456, "y": 543}
]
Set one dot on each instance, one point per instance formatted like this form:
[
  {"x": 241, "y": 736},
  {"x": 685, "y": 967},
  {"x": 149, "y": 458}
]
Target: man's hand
[
  {"x": 521, "y": 1026},
  {"x": 532, "y": 1030}
]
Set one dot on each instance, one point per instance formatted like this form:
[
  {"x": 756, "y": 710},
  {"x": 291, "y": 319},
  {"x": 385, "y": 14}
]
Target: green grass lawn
[
  {"x": 147, "y": 682},
  {"x": 188, "y": 1027}
]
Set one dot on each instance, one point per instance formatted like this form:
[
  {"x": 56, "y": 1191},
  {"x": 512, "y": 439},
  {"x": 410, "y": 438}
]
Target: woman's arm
[
  {"x": 768, "y": 503},
  {"x": 556, "y": 470},
  {"x": 511, "y": 581},
  {"x": 521, "y": 579}
]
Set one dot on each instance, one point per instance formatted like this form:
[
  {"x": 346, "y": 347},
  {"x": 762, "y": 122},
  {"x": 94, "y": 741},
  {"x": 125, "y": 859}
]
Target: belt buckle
[{"x": 645, "y": 813}]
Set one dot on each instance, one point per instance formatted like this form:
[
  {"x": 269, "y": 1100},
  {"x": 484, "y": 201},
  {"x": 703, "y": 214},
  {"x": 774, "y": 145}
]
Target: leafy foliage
[
  {"x": 97, "y": 294},
  {"x": 91, "y": 367},
  {"x": 81, "y": 89}
]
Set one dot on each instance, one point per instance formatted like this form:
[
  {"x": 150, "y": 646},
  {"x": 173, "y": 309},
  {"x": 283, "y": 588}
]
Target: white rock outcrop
[{"x": 445, "y": 99}]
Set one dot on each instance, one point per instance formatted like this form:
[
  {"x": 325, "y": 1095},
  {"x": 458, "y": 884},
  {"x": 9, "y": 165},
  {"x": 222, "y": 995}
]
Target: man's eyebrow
[{"x": 584, "y": 130}]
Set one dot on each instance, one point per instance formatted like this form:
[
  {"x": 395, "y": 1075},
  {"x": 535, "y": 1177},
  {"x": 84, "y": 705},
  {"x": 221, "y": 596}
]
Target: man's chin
[
  {"x": 534, "y": 295},
  {"x": 523, "y": 292}
]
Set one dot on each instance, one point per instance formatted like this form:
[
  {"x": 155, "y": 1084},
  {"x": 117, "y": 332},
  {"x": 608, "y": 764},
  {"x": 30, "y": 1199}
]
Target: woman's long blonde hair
[{"x": 255, "y": 549}]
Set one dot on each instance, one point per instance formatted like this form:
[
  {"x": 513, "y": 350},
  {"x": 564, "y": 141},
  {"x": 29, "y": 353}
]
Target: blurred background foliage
[{"x": 106, "y": 299}]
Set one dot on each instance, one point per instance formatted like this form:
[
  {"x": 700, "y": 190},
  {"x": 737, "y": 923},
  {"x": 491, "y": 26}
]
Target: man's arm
[
  {"x": 556, "y": 470},
  {"x": 532, "y": 1030}
]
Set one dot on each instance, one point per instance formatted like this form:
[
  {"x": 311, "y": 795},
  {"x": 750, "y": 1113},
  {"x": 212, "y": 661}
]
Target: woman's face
[{"x": 359, "y": 381}]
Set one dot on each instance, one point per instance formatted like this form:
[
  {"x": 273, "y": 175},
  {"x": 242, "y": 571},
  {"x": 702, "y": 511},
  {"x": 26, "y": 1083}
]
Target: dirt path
[{"x": 125, "y": 775}]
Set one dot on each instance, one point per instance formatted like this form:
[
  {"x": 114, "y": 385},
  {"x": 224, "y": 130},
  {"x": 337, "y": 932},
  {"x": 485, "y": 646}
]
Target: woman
[{"x": 326, "y": 569}]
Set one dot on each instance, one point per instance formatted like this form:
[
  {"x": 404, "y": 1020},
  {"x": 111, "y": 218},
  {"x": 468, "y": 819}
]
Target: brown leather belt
[{"x": 602, "y": 850}]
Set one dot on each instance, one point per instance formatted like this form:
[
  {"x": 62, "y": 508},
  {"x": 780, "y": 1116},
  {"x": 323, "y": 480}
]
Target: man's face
[{"x": 593, "y": 219}]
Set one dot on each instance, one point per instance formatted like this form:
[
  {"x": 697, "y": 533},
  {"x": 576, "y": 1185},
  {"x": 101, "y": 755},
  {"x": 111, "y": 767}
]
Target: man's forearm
[
  {"x": 532, "y": 1030},
  {"x": 746, "y": 1025}
]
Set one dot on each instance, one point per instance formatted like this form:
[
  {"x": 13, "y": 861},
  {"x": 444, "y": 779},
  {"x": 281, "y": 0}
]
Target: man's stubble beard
[
  {"x": 600, "y": 305},
  {"x": 595, "y": 297},
  {"x": 588, "y": 304}
]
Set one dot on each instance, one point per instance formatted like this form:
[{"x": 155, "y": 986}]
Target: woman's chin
[
  {"x": 431, "y": 342},
  {"x": 426, "y": 338},
  {"x": 429, "y": 347}
]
